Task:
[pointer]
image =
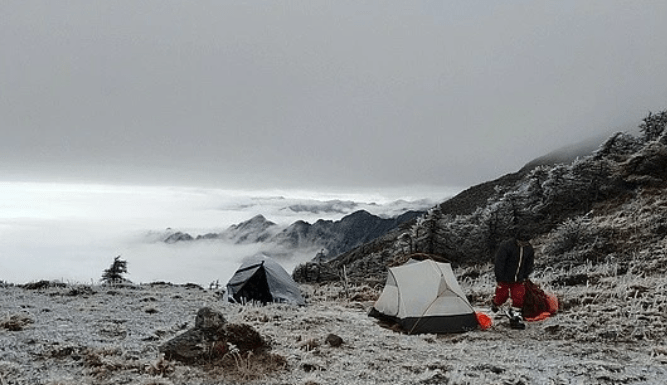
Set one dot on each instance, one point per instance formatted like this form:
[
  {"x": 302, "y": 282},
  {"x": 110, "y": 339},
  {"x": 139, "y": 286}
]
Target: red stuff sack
[{"x": 484, "y": 320}]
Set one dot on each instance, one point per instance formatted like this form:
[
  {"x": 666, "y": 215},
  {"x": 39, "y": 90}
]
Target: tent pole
[{"x": 346, "y": 283}]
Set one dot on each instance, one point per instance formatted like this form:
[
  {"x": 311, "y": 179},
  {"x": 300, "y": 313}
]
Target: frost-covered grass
[
  {"x": 611, "y": 330},
  {"x": 597, "y": 302}
]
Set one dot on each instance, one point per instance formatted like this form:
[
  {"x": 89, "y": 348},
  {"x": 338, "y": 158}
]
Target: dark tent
[{"x": 262, "y": 279}]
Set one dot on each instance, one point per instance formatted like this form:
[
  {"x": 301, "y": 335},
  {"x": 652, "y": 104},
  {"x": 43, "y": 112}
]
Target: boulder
[
  {"x": 334, "y": 340},
  {"x": 211, "y": 338}
]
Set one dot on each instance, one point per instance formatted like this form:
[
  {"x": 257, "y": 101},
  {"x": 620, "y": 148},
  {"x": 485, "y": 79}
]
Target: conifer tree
[
  {"x": 115, "y": 272},
  {"x": 654, "y": 125}
]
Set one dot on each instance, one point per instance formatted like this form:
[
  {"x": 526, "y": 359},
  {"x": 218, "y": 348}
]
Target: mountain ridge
[
  {"x": 329, "y": 237},
  {"x": 563, "y": 205}
]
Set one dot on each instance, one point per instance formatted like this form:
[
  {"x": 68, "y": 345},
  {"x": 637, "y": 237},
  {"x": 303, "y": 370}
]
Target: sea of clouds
[{"x": 72, "y": 232}]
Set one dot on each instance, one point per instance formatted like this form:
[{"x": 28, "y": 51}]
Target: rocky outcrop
[{"x": 212, "y": 338}]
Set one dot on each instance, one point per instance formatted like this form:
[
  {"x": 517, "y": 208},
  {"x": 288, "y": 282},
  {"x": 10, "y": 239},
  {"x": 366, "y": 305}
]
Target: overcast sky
[{"x": 315, "y": 94}]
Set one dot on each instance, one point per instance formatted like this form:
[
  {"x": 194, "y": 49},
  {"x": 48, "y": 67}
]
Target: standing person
[{"x": 514, "y": 263}]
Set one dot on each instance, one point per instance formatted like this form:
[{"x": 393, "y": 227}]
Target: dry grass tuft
[
  {"x": 16, "y": 322},
  {"x": 100, "y": 363},
  {"x": 160, "y": 367},
  {"x": 246, "y": 366}
]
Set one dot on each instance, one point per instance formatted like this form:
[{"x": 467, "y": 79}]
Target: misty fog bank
[{"x": 72, "y": 232}]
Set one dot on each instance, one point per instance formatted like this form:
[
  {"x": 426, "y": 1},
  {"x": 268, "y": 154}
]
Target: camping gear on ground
[
  {"x": 262, "y": 279},
  {"x": 516, "y": 321},
  {"x": 485, "y": 322},
  {"x": 537, "y": 304},
  {"x": 424, "y": 297}
]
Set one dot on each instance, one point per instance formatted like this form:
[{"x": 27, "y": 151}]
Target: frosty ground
[{"x": 610, "y": 332}]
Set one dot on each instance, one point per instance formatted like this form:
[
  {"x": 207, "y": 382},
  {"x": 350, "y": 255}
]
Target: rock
[
  {"x": 334, "y": 340},
  {"x": 185, "y": 347},
  {"x": 208, "y": 319},
  {"x": 212, "y": 337},
  {"x": 245, "y": 338}
]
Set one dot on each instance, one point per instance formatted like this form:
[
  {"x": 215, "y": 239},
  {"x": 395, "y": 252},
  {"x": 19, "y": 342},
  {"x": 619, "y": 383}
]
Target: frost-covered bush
[
  {"x": 544, "y": 198},
  {"x": 618, "y": 146},
  {"x": 582, "y": 239},
  {"x": 653, "y": 126},
  {"x": 568, "y": 235}
]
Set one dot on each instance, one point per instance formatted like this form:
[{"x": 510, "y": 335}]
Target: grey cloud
[{"x": 317, "y": 93}]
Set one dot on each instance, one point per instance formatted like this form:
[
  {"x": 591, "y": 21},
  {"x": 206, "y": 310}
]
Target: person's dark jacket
[{"x": 511, "y": 265}]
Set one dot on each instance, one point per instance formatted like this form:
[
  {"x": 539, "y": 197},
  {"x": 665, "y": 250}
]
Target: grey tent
[
  {"x": 424, "y": 297},
  {"x": 262, "y": 279}
]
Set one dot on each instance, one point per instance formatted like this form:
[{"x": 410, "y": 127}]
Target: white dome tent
[{"x": 424, "y": 297}]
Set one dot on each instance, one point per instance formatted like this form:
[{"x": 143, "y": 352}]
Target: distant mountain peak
[{"x": 334, "y": 237}]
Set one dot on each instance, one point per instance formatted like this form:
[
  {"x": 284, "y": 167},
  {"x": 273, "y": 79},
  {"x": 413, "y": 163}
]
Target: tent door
[{"x": 255, "y": 289}]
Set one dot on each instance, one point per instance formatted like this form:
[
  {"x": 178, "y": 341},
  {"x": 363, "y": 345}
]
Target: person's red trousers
[{"x": 506, "y": 289}]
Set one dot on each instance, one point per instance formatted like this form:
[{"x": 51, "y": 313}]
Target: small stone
[{"x": 334, "y": 340}]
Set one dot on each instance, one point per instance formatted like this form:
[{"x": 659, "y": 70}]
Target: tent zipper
[{"x": 518, "y": 268}]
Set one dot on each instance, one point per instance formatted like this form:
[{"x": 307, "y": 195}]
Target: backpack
[{"x": 536, "y": 301}]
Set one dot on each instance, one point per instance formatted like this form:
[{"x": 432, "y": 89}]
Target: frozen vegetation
[{"x": 611, "y": 330}]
